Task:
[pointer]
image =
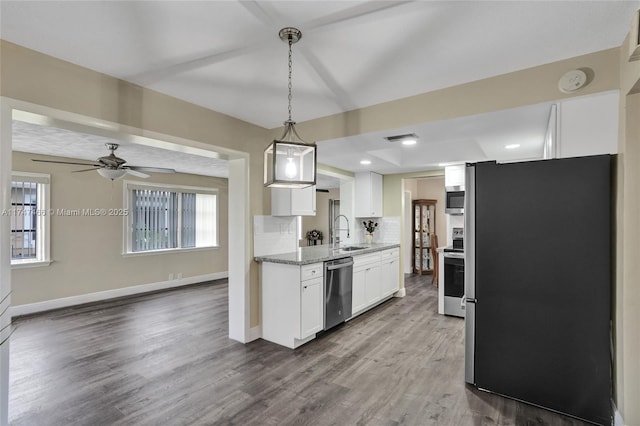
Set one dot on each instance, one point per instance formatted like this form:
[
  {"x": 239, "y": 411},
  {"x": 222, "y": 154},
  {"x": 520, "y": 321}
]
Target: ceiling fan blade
[
  {"x": 137, "y": 173},
  {"x": 66, "y": 162},
  {"x": 149, "y": 169},
  {"x": 85, "y": 170}
]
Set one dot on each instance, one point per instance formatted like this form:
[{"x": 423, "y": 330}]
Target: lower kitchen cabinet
[
  {"x": 358, "y": 298},
  {"x": 292, "y": 303},
  {"x": 390, "y": 271},
  {"x": 375, "y": 277},
  {"x": 311, "y": 307},
  {"x": 292, "y": 296}
]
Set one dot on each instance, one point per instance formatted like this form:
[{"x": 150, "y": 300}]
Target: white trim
[
  {"x": 617, "y": 417},
  {"x": 240, "y": 258},
  {"x": 401, "y": 293},
  {"x": 168, "y": 251},
  {"x": 43, "y": 218},
  {"x": 254, "y": 333},
  {"x": 32, "y": 308},
  {"x": 127, "y": 189},
  {"x": 22, "y": 264}
]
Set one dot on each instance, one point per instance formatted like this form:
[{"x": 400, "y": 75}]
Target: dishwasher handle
[{"x": 332, "y": 267}]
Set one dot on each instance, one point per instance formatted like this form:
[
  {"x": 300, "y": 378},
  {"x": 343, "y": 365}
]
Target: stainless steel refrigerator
[{"x": 538, "y": 283}]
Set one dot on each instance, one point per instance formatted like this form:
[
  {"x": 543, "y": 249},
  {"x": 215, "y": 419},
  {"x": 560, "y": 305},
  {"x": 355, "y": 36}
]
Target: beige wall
[{"x": 87, "y": 250}]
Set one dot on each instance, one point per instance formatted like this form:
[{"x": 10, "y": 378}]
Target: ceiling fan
[{"x": 112, "y": 167}]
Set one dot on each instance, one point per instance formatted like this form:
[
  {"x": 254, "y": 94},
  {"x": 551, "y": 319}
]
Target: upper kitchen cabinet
[
  {"x": 454, "y": 176},
  {"x": 368, "y": 194},
  {"x": 588, "y": 125},
  {"x": 293, "y": 202}
]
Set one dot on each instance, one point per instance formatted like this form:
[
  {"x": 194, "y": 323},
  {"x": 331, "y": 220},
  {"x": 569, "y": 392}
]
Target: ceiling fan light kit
[
  {"x": 112, "y": 174},
  {"x": 290, "y": 162}
]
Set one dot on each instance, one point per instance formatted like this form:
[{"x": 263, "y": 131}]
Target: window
[
  {"x": 170, "y": 218},
  {"x": 29, "y": 219}
]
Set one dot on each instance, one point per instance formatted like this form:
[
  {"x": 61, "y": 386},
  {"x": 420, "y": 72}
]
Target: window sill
[
  {"x": 30, "y": 264},
  {"x": 168, "y": 251}
]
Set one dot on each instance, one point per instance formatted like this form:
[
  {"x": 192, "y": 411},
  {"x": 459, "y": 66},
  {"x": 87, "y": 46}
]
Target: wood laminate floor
[{"x": 165, "y": 359}]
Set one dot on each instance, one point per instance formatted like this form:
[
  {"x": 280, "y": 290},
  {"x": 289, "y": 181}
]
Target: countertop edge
[{"x": 281, "y": 258}]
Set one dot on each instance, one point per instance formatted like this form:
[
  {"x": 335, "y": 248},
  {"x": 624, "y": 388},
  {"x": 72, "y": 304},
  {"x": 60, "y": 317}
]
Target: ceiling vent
[{"x": 406, "y": 139}]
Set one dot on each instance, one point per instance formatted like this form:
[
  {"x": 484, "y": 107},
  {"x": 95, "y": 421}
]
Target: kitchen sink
[{"x": 352, "y": 248}]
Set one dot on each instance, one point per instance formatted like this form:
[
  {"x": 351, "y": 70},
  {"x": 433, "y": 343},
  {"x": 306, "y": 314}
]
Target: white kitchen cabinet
[
  {"x": 358, "y": 298},
  {"x": 454, "y": 175},
  {"x": 293, "y": 201},
  {"x": 389, "y": 272},
  {"x": 292, "y": 302},
  {"x": 588, "y": 125},
  {"x": 366, "y": 285},
  {"x": 368, "y": 194},
  {"x": 373, "y": 285},
  {"x": 311, "y": 307},
  {"x": 376, "y": 276}
]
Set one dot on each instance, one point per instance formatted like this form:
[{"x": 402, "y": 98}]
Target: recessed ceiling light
[
  {"x": 512, "y": 146},
  {"x": 365, "y": 162}
]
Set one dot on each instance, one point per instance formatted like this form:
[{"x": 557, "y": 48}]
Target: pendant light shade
[{"x": 290, "y": 162}]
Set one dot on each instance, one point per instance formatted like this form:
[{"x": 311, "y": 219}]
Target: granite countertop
[{"x": 315, "y": 254}]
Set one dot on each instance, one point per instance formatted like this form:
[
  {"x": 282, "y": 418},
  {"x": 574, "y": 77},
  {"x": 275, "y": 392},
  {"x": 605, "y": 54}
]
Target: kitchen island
[{"x": 293, "y": 291}]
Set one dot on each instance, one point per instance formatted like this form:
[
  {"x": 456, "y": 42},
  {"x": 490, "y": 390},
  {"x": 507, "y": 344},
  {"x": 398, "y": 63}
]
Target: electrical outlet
[
  {"x": 170, "y": 277},
  {"x": 179, "y": 277}
]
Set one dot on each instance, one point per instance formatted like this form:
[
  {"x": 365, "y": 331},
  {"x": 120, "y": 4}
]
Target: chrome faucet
[{"x": 337, "y": 219}]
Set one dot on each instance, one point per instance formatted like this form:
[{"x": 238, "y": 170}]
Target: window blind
[{"x": 155, "y": 220}]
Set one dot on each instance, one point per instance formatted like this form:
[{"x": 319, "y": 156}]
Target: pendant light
[{"x": 290, "y": 162}]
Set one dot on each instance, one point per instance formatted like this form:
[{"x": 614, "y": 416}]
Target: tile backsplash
[
  {"x": 388, "y": 230},
  {"x": 275, "y": 234}
]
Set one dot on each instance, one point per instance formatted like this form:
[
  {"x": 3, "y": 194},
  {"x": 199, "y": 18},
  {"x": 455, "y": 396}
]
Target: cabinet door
[
  {"x": 311, "y": 307},
  {"x": 389, "y": 275},
  {"x": 376, "y": 195},
  {"x": 293, "y": 202},
  {"x": 358, "y": 299},
  {"x": 373, "y": 285},
  {"x": 368, "y": 194},
  {"x": 303, "y": 201}
]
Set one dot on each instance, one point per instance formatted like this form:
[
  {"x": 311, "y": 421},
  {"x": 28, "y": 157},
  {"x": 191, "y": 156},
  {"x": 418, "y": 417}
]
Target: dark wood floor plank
[{"x": 165, "y": 359}]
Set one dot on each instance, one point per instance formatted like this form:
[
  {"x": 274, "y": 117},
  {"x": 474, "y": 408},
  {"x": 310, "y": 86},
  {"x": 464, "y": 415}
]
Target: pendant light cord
[{"x": 290, "y": 68}]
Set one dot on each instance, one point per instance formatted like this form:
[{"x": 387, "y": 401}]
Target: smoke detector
[{"x": 572, "y": 81}]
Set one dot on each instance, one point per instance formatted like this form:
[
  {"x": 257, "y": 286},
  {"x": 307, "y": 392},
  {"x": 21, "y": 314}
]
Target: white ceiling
[{"x": 226, "y": 55}]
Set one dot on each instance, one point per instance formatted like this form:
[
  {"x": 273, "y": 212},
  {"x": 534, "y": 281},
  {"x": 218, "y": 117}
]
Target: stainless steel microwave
[{"x": 455, "y": 200}]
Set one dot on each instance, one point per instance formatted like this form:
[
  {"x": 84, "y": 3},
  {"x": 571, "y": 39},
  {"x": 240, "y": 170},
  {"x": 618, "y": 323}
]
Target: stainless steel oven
[{"x": 453, "y": 283}]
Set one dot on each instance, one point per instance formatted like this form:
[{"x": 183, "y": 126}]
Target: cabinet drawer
[
  {"x": 314, "y": 270},
  {"x": 366, "y": 259},
  {"x": 390, "y": 254}
]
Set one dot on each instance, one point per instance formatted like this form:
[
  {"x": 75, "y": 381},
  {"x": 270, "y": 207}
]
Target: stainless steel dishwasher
[{"x": 338, "y": 276}]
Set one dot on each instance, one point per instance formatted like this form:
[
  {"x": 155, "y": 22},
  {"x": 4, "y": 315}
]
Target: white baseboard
[
  {"x": 65, "y": 302},
  {"x": 401, "y": 293},
  {"x": 617, "y": 418},
  {"x": 254, "y": 333}
]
